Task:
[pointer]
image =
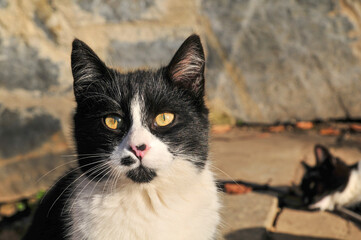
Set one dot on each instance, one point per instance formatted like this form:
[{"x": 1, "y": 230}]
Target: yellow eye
[
  {"x": 164, "y": 119},
  {"x": 113, "y": 122}
]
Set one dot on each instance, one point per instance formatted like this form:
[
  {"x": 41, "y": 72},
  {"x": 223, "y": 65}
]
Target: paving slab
[
  {"x": 322, "y": 225},
  {"x": 248, "y": 216}
]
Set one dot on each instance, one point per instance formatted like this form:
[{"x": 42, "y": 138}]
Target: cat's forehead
[
  {"x": 141, "y": 80},
  {"x": 153, "y": 89}
]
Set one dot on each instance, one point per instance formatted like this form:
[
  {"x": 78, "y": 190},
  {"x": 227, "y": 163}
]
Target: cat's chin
[{"x": 141, "y": 174}]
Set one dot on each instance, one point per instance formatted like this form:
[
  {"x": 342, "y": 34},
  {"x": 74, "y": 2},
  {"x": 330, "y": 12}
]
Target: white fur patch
[
  {"x": 181, "y": 202},
  {"x": 157, "y": 157},
  {"x": 350, "y": 196}
]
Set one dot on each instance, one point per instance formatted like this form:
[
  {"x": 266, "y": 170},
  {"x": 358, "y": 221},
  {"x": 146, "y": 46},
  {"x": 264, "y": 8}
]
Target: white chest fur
[
  {"x": 350, "y": 196},
  {"x": 182, "y": 206}
]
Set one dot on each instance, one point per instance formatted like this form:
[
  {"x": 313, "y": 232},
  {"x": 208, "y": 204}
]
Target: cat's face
[
  {"x": 136, "y": 125},
  {"x": 328, "y": 175}
]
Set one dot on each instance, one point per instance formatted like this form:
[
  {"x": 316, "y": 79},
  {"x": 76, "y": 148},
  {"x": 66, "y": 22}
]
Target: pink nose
[{"x": 140, "y": 150}]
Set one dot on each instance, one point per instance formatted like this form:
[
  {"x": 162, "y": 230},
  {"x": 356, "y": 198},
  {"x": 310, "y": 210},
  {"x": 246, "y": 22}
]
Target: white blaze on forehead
[
  {"x": 138, "y": 133},
  {"x": 158, "y": 156},
  {"x": 136, "y": 111}
]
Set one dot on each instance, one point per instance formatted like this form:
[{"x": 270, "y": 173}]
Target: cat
[
  {"x": 330, "y": 183},
  {"x": 142, "y": 144}
]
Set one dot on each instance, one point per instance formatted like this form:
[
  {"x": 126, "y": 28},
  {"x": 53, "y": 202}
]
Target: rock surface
[
  {"x": 23, "y": 132},
  {"x": 25, "y": 175},
  {"x": 3, "y": 3},
  {"x": 142, "y": 54},
  {"x": 21, "y": 67},
  {"x": 115, "y": 10},
  {"x": 293, "y": 60}
]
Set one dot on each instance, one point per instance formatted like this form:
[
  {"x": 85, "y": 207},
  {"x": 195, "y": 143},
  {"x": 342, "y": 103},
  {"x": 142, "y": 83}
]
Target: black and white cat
[
  {"x": 331, "y": 182},
  {"x": 142, "y": 143}
]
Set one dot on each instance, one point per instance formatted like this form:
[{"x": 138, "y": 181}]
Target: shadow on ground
[{"x": 262, "y": 234}]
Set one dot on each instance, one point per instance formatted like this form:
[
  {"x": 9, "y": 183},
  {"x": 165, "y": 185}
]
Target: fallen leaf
[
  {"x": 330, "y": 131},
  {"x": 233, "y": 188},
  {"x": 7, "y": 210},
  {"x": 304, "y": 125},
  {"x": 217, "y": 129},
  {"x": 277, "y": 129}
]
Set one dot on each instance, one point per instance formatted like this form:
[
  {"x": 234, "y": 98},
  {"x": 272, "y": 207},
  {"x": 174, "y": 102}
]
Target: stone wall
[{"x": 267, "y": 62}]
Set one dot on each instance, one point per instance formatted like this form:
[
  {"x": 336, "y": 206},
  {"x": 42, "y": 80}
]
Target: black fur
[
  {"x": 141, "y": 174},
  {"x": 330, "y": 174},
  {"x": 127, "y": 161},
  {"x": 100, "y": 91},
  {"x": 49, "y": 222}
]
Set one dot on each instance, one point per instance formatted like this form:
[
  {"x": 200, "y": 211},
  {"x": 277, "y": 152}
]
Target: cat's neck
[{"x": 166, "y": 198}]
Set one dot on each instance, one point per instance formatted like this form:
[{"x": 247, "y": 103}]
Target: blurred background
[{"x": 267, "y": 63}]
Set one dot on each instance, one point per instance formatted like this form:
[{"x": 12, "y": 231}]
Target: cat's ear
[
  {"x": 322, "y": 154},
  {"x": 87, "y": 68},
  {"x": 186, "y": 69}
]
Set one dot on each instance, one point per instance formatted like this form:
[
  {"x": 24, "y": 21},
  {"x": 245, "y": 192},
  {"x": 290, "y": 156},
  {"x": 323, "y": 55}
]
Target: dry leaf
[
  {"x": 217, "y": 129},
  {"x": 330, "y": 131},
  {"x": 233, "y": 188},
  {"x": 304, "y": 125},
  {"x": 277, "y": 129}
]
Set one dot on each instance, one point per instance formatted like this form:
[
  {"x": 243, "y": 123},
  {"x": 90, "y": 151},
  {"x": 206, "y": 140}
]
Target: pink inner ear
[
  {"x": 181, "y": 69},
  {"x": 188, "y": 68}
]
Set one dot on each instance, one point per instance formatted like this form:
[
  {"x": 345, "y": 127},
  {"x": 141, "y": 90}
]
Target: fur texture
[
  {"x": 139, "y": 180},
  {"x": 331, "y": 182}
]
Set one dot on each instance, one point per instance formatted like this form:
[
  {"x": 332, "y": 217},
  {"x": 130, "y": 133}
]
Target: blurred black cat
[
  {"x": 330, "y": 182},
  {"x": 142, "y": 144}
]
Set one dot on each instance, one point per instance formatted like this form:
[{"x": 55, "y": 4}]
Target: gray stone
[
  {"x": 3, "y": 3},
  {"x": 117, "y": 10},
  {"x": 25, "y": 178},
  {"x": 241, "y": 221},
  {"x": 24, "y": 132},
  {"x": 142, "y": 54},
  {"x": 219, "y": 85},
  {"x": 21, "y": 67},
  {"x": 294, "y": 59},
  {"x": 40, "y": 22}
]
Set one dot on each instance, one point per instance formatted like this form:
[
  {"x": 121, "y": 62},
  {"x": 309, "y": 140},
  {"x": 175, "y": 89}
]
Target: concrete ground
[{"x": 274, "y": 159}]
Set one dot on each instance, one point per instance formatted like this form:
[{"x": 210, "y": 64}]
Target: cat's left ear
[
  {"x": 88, "y": 70},
  {"x": 186, "y": 69},
  {"x": 322, "y": 154}
]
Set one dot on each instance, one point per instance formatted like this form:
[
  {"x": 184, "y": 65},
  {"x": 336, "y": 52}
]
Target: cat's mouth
[{"x": 141, "y": 174}]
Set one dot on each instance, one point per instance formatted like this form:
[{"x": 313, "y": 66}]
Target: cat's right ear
[
  {"x": 186, "y": 69},
  {"x": 87, "y": 69},
  {"x": 322, "y": 154}
]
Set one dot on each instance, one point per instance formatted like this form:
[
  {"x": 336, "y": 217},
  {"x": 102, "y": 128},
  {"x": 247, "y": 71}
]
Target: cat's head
[
  {"x": 137, "y": 125},
  {"x": 328, "y": 175}
]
